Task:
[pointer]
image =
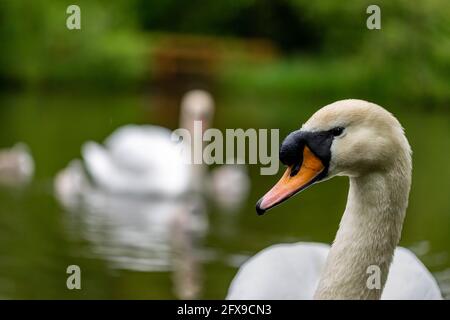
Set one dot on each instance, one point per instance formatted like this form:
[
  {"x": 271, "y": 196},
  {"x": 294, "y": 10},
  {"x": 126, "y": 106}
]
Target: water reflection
[{"x": 143, "y": 234}]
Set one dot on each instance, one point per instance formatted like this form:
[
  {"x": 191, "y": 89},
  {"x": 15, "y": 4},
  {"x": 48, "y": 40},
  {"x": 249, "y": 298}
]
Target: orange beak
[{"x": 289, "y": 184}]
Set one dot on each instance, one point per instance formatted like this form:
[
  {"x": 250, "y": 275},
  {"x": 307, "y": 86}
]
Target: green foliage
[
  {"x": 40, "y": 50},
  {"x": 406, "y": 61},
  {"x": 326, "y": 45}
]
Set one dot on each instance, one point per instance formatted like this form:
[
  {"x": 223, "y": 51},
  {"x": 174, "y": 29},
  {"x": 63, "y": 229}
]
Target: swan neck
[{"x": 358, "y": 262}]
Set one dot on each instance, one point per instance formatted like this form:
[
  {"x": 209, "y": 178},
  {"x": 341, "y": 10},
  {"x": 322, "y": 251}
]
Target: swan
[
  {"x": 16, "y": 165},
  {"x": 227, "y": 185},
  {"x": 363, "y": 141},
  {"x": 138, "y": 160},
  {"x": 144, "y": 160}
]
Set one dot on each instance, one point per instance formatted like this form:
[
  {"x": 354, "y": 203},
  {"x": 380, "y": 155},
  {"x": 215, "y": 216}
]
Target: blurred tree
[
  {"x": 412, "y": 49},
  {"x": 39, "y": 49},
  {"x": 279, "y": 21}
]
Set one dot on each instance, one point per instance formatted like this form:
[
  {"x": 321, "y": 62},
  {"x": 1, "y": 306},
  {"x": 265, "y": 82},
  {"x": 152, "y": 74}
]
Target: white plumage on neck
[{"x": 368, "y": 235}]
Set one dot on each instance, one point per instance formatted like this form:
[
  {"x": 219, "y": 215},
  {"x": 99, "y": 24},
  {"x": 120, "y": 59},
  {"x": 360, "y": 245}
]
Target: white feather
[{"x": 292, "y": 271}]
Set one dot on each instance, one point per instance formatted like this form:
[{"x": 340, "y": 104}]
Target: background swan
[
  {"x": 16, "y": 165},
  {"x": 137, "y": 160},
  {"x": 363, "y": 141},
  {"x": 229, "y": 186},
  {"x": 144, "y": 160},
  {"x": 133, "y": 195}
]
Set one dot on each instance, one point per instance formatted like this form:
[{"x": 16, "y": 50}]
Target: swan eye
[{"x": 337, "y": 131}]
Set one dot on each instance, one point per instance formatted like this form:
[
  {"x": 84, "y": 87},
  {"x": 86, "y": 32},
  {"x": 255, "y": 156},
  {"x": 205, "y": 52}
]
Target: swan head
[
  {"x": 346, "y": 138},
  {"x": 197, "y": 105}
]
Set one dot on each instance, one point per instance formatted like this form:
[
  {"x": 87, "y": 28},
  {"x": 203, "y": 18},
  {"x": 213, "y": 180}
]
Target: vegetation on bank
[{"x": 324, "y": 47}]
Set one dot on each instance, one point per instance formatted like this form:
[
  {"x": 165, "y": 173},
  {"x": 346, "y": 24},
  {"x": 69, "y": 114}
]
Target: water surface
[{"x": 120, "y": 252}]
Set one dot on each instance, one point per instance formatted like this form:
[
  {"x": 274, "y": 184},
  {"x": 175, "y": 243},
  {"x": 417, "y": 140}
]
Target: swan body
[
  {"x": 16, "y": 165},
  {"x": 138, "y": 160},
  {"x": 363, "y": 141},
  {"x": 263, "y": 277},
  {"x": 71, "y": 183},
  {"x": 144, "y": 160}
]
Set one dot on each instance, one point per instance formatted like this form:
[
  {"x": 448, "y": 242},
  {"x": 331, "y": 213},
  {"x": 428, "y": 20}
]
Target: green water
[{"x": 39, "y": 239}]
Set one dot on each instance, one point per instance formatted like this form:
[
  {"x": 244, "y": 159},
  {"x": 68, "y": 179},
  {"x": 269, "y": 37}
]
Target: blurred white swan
[
  {"x": 230, "y": 185},
  {"x": 143, "y": 159},
  {"x": 16, "y": 165},
  {"x": 137, "y": 160}
]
